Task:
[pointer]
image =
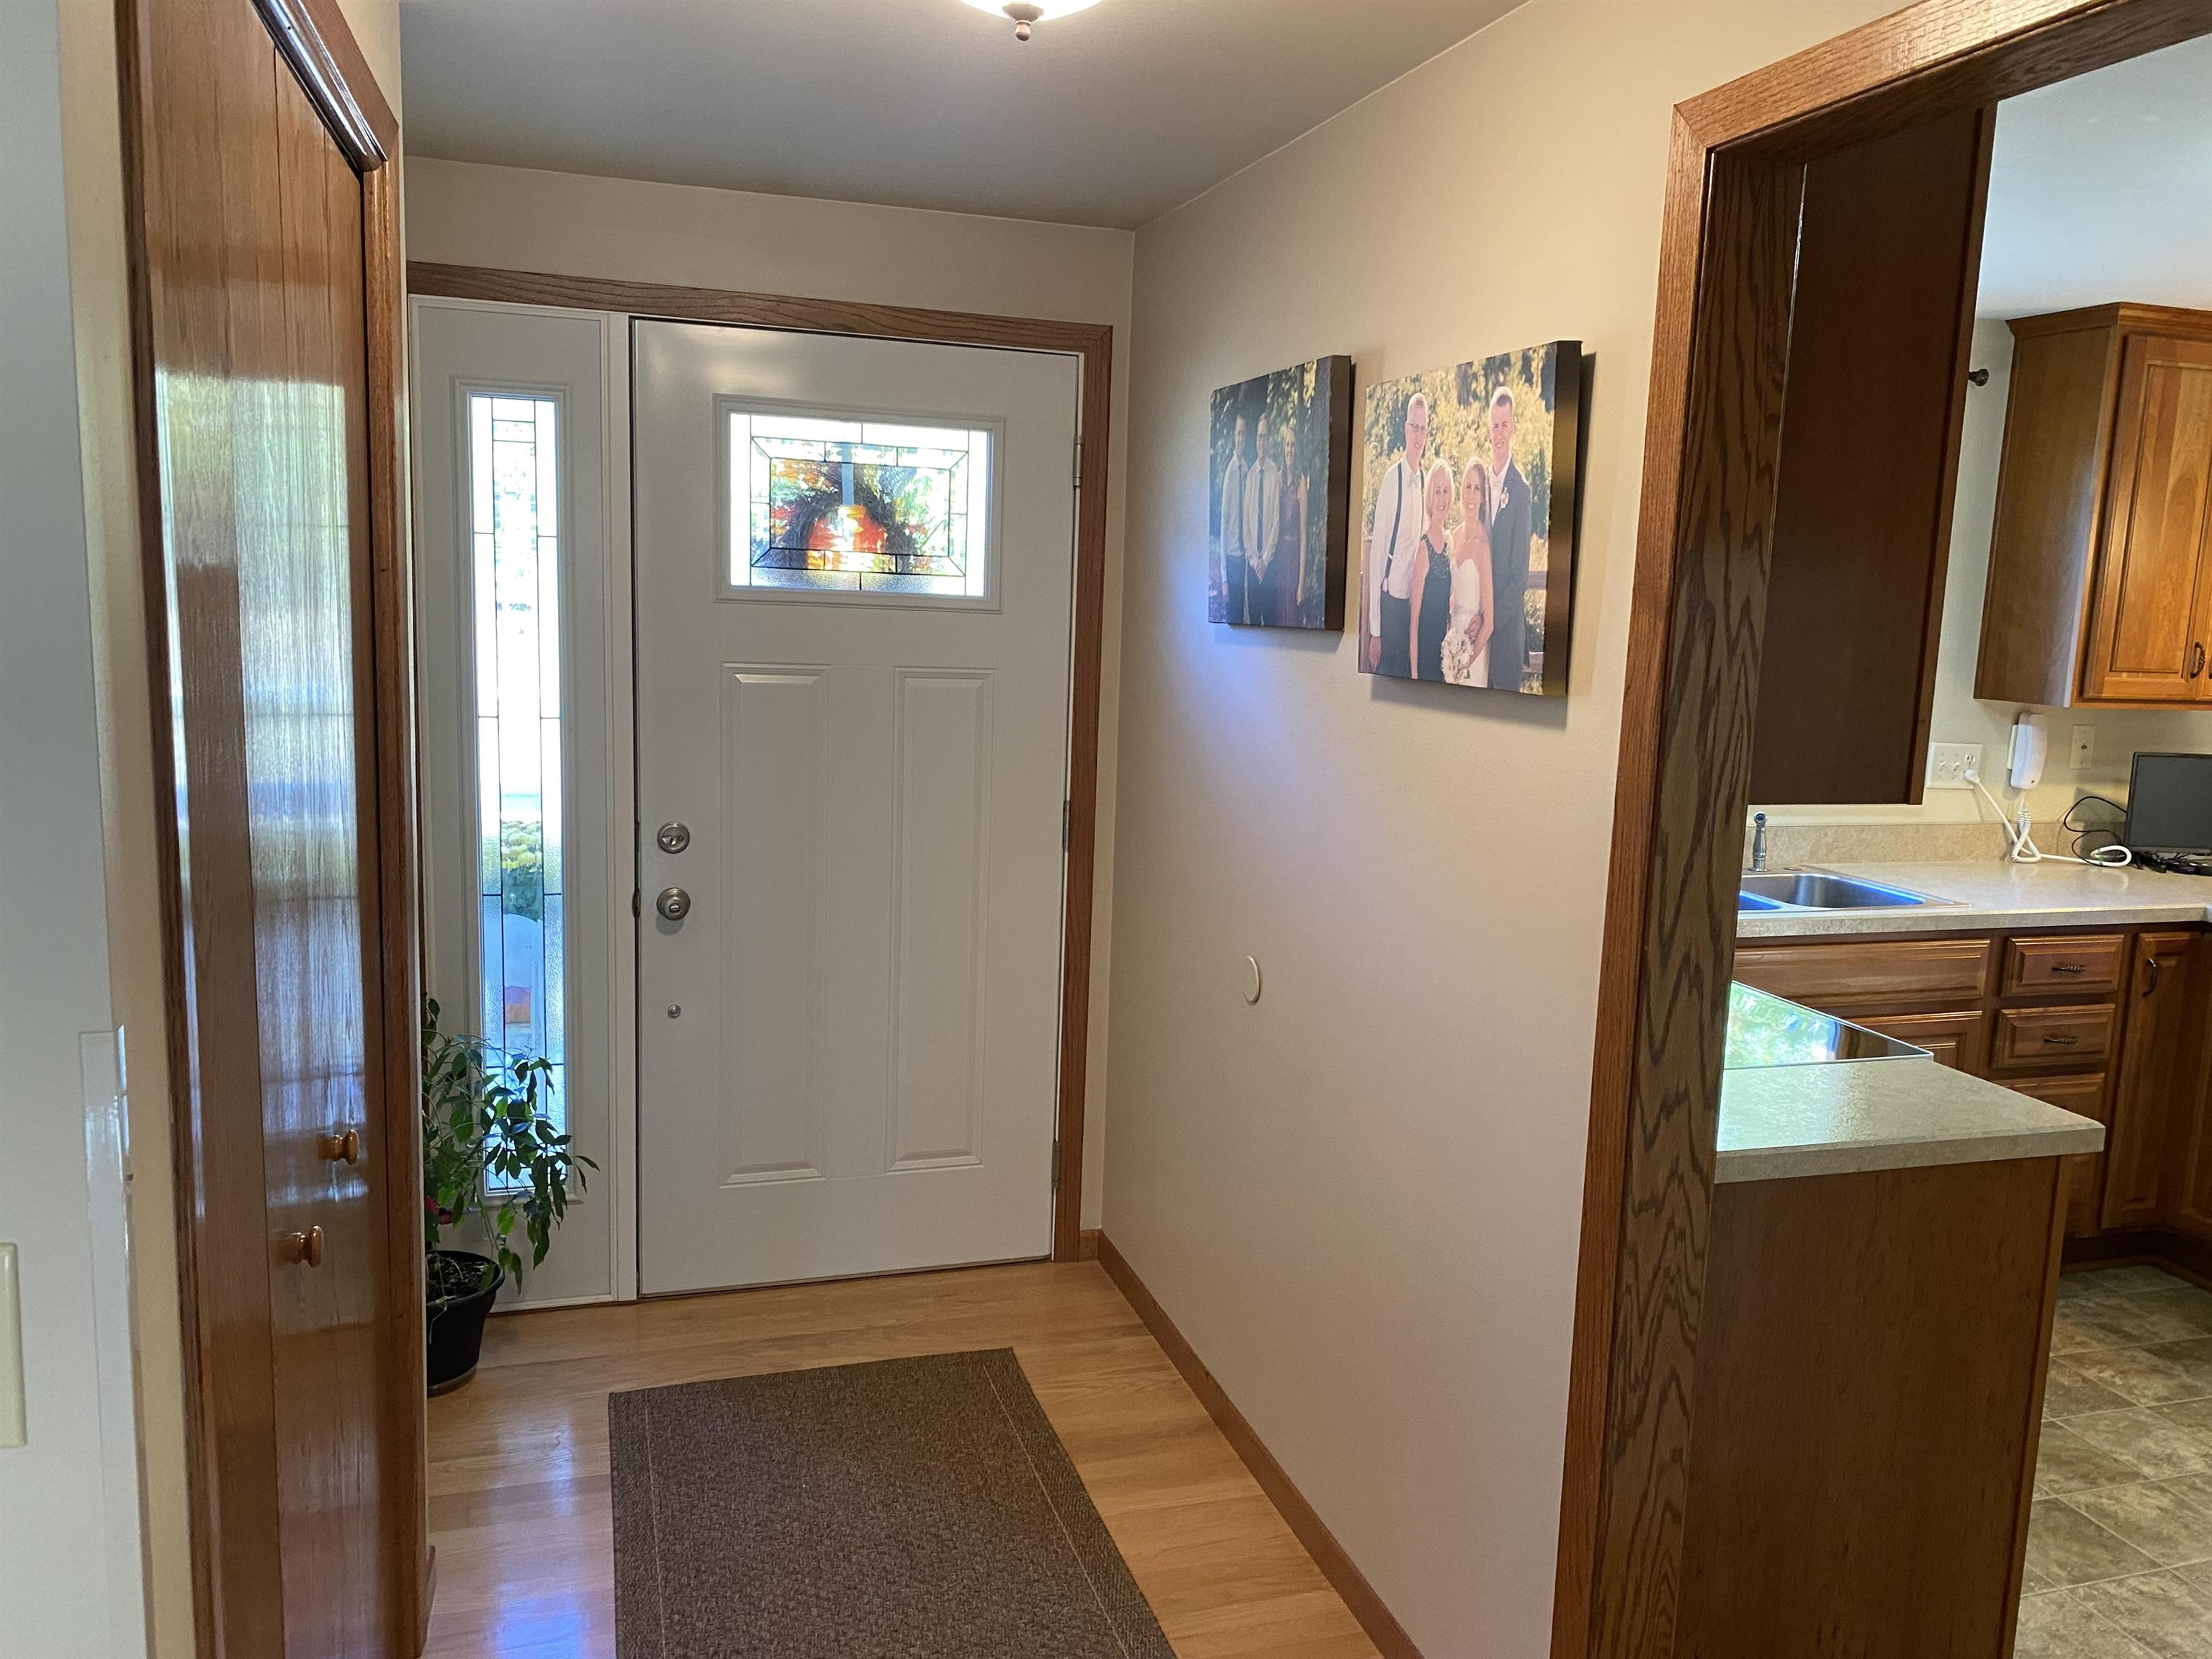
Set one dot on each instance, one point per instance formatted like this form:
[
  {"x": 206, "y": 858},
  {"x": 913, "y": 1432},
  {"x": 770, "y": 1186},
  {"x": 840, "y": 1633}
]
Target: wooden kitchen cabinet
[
  {"x": 2086, "y": 1097},
  {"x": 2111, "y": 1024},
  {"x": 2163, "y": 1022},
  {"x": 1869, "y": 1382},
  {"x": 2100, "y": 562}
]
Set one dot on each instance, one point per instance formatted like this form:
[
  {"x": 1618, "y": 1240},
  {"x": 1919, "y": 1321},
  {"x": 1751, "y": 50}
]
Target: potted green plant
[{"x": 491, "y": 1156}]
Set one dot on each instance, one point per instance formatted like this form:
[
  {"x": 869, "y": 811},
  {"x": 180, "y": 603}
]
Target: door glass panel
[
  {"x": 513, "y": 462},
  {"x": 826, "y": 505}
]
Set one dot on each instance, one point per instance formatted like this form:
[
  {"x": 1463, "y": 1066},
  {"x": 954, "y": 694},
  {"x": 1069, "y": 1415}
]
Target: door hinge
[
  {"x": 1066, "y": 816},
  {"x": 1078, "y": 460},
  {"x": 1055, "y": 1165},
  {"x": 636, "y": 906}
]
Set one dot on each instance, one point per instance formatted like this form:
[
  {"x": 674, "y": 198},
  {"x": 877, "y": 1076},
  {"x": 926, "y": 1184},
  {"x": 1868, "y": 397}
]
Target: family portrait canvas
[
  {"x": 1467, "y": 516},
  {"x": 1280, "y": 497}
]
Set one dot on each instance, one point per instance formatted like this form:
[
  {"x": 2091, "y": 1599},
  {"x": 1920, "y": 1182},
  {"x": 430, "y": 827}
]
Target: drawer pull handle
[
  {"x": 2060, "y": 1040},
  {"x": 2069, "y": 966}
]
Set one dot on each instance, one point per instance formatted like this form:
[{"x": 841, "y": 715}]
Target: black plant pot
[{"x": 457, "y": 1322}]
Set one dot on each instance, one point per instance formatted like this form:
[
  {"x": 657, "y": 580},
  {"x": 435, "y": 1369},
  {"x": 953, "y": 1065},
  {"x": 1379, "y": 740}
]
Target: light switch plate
[
  {"x": 1949, "y": 763},
  {"x": 2085, "y": 747},
  {"x": 11, "y": 1351}
]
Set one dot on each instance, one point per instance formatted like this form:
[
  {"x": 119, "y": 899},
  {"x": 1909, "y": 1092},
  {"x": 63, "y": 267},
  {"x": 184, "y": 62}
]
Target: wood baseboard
[
  {"x": 2190, "y": 1256},
  {"x": 1086, "y": 1244},
  {"x": 1382, "y": 1626},
  {"x": 428, "y": 1594}
]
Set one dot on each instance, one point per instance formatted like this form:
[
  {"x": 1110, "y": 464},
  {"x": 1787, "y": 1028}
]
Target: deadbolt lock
[{"x": 674, "y": 836}]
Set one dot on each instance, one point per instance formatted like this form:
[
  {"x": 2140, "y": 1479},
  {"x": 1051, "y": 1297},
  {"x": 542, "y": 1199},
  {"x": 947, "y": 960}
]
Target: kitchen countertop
[
  {"x": 1782, "y": 1121},
  {"x": 1806, "y": 1093},
  {"x": 1994, "y": 894}
]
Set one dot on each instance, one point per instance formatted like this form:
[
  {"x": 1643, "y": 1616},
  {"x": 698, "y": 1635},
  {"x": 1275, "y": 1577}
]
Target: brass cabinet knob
[
  {"x": 306, "y": 1247},
  {"x": 340, "y": 1149}
]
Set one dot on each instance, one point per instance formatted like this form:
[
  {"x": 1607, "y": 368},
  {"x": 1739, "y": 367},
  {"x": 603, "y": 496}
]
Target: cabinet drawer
[
  {"x": 1863, "y": 974},
  {"x": 2047, "y": 1036},
  {"x": 1958, "y": 1041},
  {"x": 2088, "y": 963}
]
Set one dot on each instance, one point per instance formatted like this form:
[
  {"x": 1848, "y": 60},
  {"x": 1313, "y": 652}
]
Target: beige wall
[
  {"x": 1958, "y": 717},
  {"x": 91, "y": 115},
  {"x": 461, "y": 213},
  {"x": 1360, "y": 1198}
]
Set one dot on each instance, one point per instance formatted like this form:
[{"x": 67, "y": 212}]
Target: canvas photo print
[
  {"x": 1467, "y": 540},
  {"x": 1280, "y": 497}
]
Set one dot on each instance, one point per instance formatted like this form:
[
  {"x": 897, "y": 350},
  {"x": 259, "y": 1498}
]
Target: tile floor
[{"x": 2120, "y": 1550}]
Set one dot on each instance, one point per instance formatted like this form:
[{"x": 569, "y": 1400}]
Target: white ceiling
[
  {"x": 2100, "y": 189},
  {"x": 1108, "y": 116}
]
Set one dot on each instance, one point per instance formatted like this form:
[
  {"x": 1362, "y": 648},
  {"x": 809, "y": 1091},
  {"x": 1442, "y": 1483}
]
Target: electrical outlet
[
  {"x": 1949, "y": 763},
  {"x": 2085, "y": 747}
]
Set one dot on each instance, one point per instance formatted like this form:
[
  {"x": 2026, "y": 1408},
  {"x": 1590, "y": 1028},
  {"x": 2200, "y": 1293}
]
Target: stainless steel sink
[{"x": 1816, "y": 890}]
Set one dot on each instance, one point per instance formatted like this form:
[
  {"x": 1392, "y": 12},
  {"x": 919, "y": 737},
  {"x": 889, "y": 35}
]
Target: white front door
[{"x": 854, "y": 585}]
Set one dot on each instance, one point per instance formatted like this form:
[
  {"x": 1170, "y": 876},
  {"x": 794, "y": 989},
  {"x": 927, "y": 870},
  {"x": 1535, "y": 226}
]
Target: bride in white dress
[{"x": 1466, "y": 634}]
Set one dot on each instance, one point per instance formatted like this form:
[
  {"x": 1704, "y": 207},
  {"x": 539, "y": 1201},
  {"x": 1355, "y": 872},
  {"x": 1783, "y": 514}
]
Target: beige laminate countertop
[
  {"x": 1778, "y": 1122},
  {"x": 1996, "y": 894}
]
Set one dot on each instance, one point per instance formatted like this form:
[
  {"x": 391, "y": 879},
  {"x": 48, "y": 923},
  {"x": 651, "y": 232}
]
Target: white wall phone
[{"x": 2031, "y": 746}]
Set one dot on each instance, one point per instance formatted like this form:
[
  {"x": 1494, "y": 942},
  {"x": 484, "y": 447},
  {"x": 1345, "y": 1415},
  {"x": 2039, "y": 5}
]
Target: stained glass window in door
[
  {"x": 826, "y": 505},
  {"x": 514, "y": 523}
]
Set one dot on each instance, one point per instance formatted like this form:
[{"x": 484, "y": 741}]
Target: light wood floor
[{"x": 518, "y": 1493}]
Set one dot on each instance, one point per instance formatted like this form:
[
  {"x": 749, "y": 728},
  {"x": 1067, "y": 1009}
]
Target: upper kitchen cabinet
[
  {"x": 2100, "y": 568},
  {"x": 1888, "y": 257}
]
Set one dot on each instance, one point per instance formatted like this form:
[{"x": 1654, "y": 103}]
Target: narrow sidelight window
[{"x": 514, "y": 523}]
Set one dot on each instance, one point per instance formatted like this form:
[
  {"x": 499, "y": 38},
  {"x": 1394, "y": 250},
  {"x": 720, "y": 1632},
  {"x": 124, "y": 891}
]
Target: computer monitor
[{"x": 2170, "y": 804}]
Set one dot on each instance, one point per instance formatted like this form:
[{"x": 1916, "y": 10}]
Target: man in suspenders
[{"x": 1392, "y": 551}]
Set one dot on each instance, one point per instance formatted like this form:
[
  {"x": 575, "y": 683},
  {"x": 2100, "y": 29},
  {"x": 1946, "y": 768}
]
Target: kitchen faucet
[{"x": 1759, "y": 841}]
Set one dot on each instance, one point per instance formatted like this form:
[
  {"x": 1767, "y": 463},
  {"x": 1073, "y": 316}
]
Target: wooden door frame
[
  {"x": 1719, "y": 361},
  {"x": 312, "y": 37},
  {"x": 1092, "y": 344}
]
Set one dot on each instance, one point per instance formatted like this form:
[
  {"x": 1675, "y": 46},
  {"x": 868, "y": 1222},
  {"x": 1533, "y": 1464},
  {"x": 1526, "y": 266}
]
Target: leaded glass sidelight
[
  {"x": 824, "y": 505},
  {"x": 514, "y": 523}
]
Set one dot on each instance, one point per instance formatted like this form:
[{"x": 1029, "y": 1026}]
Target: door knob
[
  {"x": 341, "y": 1148},
  {"x": 306, "y": 1247},
  {"x": 674, "y": 903},
  {"x": 674, "y": 836}
]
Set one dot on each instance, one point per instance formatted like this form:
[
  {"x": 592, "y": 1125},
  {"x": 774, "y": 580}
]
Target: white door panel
[{"x": 848, "y": 1046}]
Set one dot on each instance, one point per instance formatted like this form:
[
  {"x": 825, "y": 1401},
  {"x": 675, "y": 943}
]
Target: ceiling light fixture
[{"x": 1027, "y": 14}]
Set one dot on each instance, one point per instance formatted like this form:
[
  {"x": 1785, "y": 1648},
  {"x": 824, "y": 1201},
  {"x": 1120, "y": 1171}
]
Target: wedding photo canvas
[
  {"x": 1280, "y": 497},
  {"x": 1466, "y": 522}
]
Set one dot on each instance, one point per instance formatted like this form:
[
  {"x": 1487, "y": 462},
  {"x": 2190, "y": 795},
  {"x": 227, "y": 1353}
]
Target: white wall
[
  {"x": 1958, "y": 716},
  {"x": 70, "y": 1579},
  {"x": 1360, "y": 1198},
  {"x": 461, "y": 213}
]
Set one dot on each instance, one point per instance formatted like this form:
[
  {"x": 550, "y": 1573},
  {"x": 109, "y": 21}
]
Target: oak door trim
[
  {"x": 1719, "y": 352},
  {"x": 310, "y": 37},
  {"x": 392, "y": 591},
  {"x": 1090, "y": 343}
]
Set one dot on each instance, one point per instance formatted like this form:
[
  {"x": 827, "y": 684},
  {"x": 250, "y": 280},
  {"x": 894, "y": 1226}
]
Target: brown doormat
[{"x": 913, "y": 1508}]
